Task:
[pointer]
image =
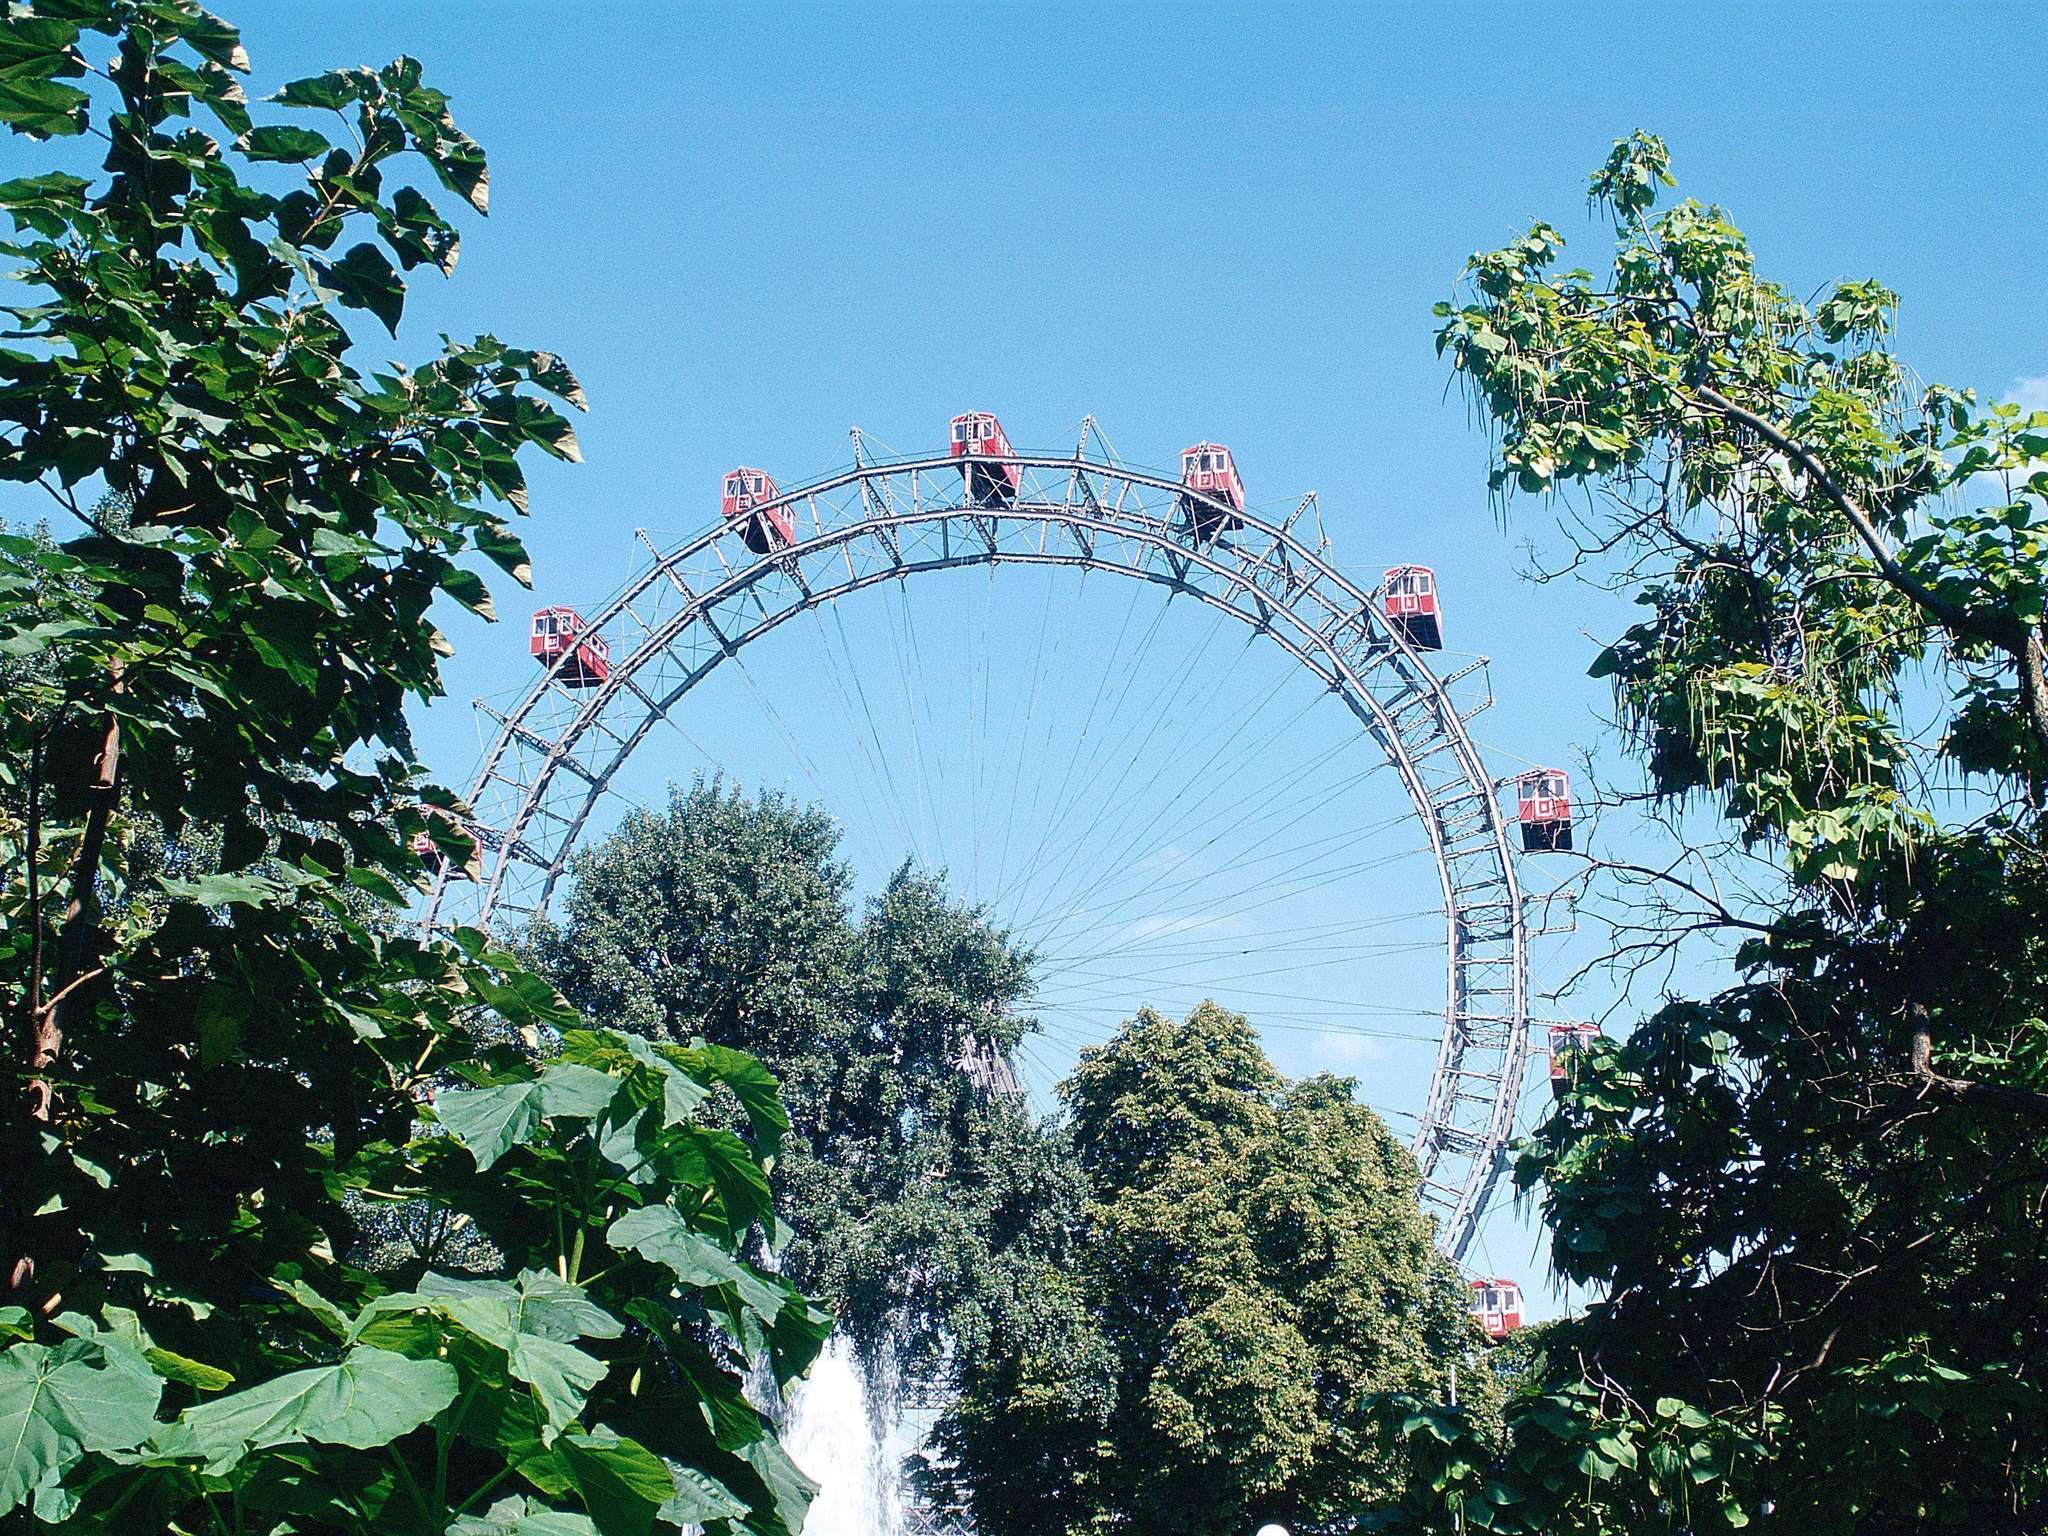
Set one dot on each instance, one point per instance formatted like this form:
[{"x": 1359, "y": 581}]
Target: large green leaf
[
  {"x": 537, "y": 1302},
  {"x": 365, "y": 279},
  {"x": 661, "y": 1234},
  {"x": 57, "y": 1404},
  {"x": 368, "y": 1398},
  {"x": 701, "y": 1498},
  {"x": 785, "y": 1479},
  {"x": 534, "y": 1320},
  {"x": 523, "y": 1517},
  {"x": 621, "y": 1482},
  {"x": 492, "y": 1121},
  {"x": 285, "y": 142},
  {"x": 752, "y": 1084}
]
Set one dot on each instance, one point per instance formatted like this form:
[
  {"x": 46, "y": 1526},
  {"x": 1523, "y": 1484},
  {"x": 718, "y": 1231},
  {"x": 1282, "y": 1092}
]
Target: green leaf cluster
[
  {"x": 918, "y": 1206},
  {"x": 233, "y": 1070},
  {"x": 1251, "y": 1271},
  {"x": 1810, "y": 1201}
]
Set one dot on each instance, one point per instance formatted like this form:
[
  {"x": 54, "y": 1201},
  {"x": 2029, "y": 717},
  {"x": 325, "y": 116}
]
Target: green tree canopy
[
  {"x": 223, "y": 1043},
  {"x": 1251, "y": 1268},
  {"x": 1812, "y": 1199},
  {"x": 918, "y": 1202}
]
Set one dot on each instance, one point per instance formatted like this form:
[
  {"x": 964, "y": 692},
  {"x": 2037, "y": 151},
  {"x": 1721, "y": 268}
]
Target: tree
[
  {"x": 918, "y": 1203},
  {"x": 223, "y": 1042},
  {"x": 1812, "y": 1199},
  {"x": 1252, "y": 1268}
]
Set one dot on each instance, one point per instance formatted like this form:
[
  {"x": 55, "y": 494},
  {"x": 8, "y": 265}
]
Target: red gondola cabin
[
  {"x": 1408, "y": 598},
  {"x": 559, "y": 632},
  {"x": 1207, "y": 470},
  {"x": 1498, "y": 1306},
  {"x": 978, "y": 435},
  {"x": 764, "y": 531},
  {"x": 1566, "y": 1041},
  {"x": 1543, "y": 804}
]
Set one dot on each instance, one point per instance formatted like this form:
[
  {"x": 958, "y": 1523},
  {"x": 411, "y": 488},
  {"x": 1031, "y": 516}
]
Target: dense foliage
[
  {"x": 1813, "y": 1199},
  {"x": 221, "y": 1046},
  {"x": 918, "y": 1202},
  {"x": 1252, "y": 1267}
]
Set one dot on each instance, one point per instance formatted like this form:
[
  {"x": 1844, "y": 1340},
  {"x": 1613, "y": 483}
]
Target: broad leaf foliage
[
  {"x": 1812, "y": 1201},
  {"x": 306, "y": 1223}
]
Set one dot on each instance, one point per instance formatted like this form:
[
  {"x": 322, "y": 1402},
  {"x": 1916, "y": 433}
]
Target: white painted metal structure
[{"x": 556, "y": 752}]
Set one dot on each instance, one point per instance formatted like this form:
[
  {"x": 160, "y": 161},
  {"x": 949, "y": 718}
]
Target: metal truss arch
[{"x": 554, "y": 754}]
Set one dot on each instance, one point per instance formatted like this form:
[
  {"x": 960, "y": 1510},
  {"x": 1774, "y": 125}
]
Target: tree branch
[
  {"x": 43, "y": 1039},
  {"x": 2023, "y": 1101},
  {"x": 2020, "y": 641}
]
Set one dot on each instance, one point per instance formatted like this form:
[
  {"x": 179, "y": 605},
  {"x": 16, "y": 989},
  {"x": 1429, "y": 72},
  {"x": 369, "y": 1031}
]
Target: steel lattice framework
[{"x": 556, "y": 752}]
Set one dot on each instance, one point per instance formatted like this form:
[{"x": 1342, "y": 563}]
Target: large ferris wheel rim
[{"x": 1482, "y": 1059}]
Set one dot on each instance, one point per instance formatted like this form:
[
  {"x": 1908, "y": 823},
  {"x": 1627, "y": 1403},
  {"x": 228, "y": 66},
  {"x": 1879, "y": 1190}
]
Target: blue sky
[{"x": 750, "y": 228}]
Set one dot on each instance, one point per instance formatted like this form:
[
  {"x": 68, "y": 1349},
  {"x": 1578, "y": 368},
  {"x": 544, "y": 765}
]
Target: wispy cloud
[
  {"x": 1339, "y": 1050},
  {"x": 2030, "y": 391}
]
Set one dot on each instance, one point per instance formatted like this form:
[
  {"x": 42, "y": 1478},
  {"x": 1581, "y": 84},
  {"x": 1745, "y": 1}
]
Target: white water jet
[{"x": 833, "y": 1434}]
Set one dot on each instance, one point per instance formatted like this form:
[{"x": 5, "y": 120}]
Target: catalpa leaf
[
  {"x": 701, "y": 1498},
  {"x": 522, "y": 1517},
  {"x": 365, "y": 279},
  {"x": 785, "y": 1479},
  {"x": 660, "y": 1234},
  {"x": 57, "y": 1404},
  {"x": 284, "y": 142},
  {"x": 492, "y": 1121},
  {"x": 536, "y": 1321},
  {"x": 369, "y": 1398},
  {"x": 538, "y": 1302},
  {"x": 752, "y": 1084},
  {"x": 621, "y": 1482},
  {"x": 224, "y": 890}
]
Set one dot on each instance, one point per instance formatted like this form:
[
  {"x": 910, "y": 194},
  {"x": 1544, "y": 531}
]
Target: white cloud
[
  {"x": 1338, "y": 1050},
  {"x": 2031, "y": 391}
]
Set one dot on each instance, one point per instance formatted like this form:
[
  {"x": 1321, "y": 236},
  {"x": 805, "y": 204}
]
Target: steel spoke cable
[
  {"x": 1259, "y": 852},
  {"x": 1163, "y": 881},
  {"x": 979, "y": 754},
  {"x": 1017, "y": 757},
  {"x": 1133, "y": 665},
  {"x": 1100, "y": 840},
  {"x": 874, "y": 751},
  {"x": 1167, "y": 945},
  {"x": 1351, "y": 955},
  {"x": 1249, "y": 857},
  {"x": 1116, "y": 846},
  {"x": 1228, "y": 825},
  {"x": 1093, "y": 835},
  {"x": 865, "y": 731},
  {"x": 803, "y": 758},
  {"x": 1308, "y": 935},
  {"x": 1091, "y": 990},
  {"x": 898, "y": 652},
  {"x": 1272, "y": 794},
  {"x": 1011, "y": 893},
  {"x": 1291, "y": 1020},
  {"x": 867, "y": 712},
  {"x": 1066, "y": 631},
  {"x": 1294, "y": 892},
  {"x": 1102, "y": 674},
  {"x": 865, "y": 785}
]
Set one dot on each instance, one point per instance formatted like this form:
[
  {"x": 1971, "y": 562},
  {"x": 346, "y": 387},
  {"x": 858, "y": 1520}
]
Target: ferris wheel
[{"x": 611, "y": 676}]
